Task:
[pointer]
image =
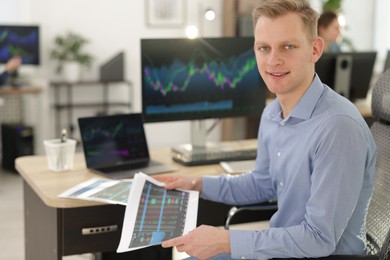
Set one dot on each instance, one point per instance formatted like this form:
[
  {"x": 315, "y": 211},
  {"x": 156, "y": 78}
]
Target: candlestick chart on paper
[
  {"x": 161, "y": 215},
  {"x": 118, "y": 192}
]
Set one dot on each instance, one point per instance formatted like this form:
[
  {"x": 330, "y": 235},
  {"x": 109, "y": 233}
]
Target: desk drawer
[{"x": 91, "y": 229}]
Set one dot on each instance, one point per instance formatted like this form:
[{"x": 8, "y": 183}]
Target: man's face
[
  {"x": 285, "y": 55},
  {"x": 332, "y": 32}
]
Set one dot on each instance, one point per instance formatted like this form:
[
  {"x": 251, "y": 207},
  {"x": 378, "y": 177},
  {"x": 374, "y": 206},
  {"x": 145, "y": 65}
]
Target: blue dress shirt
[{"x": 319, "y": 163}]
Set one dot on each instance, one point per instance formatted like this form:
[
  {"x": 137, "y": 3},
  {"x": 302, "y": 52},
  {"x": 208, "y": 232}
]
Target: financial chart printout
[
  {"x": 161, "y": 215},
  {"x": 155, "y": 214},
  {"x": 104, "y": 190}
]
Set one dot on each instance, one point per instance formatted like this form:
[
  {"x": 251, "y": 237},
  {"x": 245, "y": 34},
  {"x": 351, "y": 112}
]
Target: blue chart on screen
[
  {"x": 197, "y": 79},
  {"x": 161, "y": 215}
]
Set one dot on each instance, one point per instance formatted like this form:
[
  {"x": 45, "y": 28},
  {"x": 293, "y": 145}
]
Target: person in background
[
  {"x": 316, "y": 155},
  {"x": 10, "y": 67},
  {"x": 329, "y": 30}
]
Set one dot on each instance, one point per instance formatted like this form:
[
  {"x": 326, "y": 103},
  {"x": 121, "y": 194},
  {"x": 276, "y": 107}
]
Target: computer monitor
[
  {"x": 20, "y": 40},
  {"x": 184, "y": 79},
  {"x": 195, "y": 79},
  {"x": 348, "y": 73}
]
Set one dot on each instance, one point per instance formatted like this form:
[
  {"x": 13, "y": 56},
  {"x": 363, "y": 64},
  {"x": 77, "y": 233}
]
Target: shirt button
[
  {"x": 278, "y": 154},
  {"x": 243, "y": 257},
  {"x": 282, "y": 123},
  {"x": 281, "y": 183}
]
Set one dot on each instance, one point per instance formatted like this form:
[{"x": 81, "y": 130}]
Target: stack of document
[{"x": 153, "y": 214}]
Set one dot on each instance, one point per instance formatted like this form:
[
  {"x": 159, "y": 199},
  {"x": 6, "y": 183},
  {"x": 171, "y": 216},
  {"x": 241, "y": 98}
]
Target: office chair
[{"x": 377, "y": 222}]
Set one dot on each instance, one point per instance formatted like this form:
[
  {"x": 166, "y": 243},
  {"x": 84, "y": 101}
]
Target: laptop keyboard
[{"x": 124, "y": 167}]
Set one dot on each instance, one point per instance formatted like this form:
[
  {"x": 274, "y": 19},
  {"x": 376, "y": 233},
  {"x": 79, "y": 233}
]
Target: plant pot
[{"x": 71, "y": 71}]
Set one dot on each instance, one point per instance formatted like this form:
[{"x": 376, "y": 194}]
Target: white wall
[
  {"x": 359, "y": 16},
  {"x": 117, "y": 25},
  {"x": 381, "y": 38},
  {"x": 110, "y": 26}
]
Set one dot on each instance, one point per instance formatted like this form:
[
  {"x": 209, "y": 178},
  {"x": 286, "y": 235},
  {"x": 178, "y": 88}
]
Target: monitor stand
[
  {"x": 202, "y": 152},
  {"x": 343, "y": 75}
]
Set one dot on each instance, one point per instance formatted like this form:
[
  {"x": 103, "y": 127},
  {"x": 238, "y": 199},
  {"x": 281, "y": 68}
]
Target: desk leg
[{"x": 42, "y": 240}]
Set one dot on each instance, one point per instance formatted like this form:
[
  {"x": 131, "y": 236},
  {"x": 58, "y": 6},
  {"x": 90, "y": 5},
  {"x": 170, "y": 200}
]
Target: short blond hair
[{"x": 276, "y": 8}]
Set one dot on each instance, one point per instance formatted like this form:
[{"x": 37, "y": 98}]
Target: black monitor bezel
[
  {"x": 200, "y": 116},
  {"x": 363, "y": 63}
]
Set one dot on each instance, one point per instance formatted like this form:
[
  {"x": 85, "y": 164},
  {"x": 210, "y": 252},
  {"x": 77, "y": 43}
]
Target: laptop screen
[{"x": 113, "y": 140}]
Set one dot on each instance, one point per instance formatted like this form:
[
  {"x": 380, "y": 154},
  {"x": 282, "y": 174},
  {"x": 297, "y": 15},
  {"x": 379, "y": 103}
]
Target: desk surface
[
  {"x": 6, "y": 91},
  {"x": 48, "y": 185},
  {"x": 364, "y": 108}
]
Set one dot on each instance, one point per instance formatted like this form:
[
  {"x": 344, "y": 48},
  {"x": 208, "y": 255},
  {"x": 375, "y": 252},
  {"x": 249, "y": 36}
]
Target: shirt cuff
[
  {"x": 210, "y": 186},
  {"x": 241, "y": 244}
]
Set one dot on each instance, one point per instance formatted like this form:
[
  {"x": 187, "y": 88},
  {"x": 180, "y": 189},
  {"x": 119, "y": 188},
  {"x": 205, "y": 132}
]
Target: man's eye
[
  {"x": 289, "y": 46},
  {"x": 263, "y": 48}
]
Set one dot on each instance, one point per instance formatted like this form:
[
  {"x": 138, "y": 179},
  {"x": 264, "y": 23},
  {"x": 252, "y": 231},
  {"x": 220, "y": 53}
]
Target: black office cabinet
[{"x": 17, "y": 140}]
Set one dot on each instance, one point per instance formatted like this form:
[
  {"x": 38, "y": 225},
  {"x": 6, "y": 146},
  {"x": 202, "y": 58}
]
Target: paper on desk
[
  {"x": 154, "y": 214},
  {"x": 103, "y": 190},
  {"x": 238, "y": 166}
]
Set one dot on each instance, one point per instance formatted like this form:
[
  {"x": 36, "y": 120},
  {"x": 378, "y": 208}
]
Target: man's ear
[{"x": 318, "y": 49}]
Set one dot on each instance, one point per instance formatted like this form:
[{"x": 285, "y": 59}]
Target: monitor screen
[
  {"x": 184, "y": 79},
  {"x": 326, "y": 67},
  {"x": 356, "y": 67},
  {"x": 19, "y": 41}
]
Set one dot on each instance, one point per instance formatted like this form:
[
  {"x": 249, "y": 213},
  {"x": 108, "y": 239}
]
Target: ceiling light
[
  {"x": 192, "y": 31},
  {"x": 209, "y": 15}
]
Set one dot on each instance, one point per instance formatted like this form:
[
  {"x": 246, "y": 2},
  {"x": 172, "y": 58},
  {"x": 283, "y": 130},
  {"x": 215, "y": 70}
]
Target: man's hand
[
  {"x": 203, "y": 242},
  {"x": 13, "y": 64},
  {"x": 179, "y": 182}
]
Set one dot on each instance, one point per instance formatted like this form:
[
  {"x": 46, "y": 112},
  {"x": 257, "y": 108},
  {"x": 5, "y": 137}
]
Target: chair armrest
[{"x": 270, "y": 205}]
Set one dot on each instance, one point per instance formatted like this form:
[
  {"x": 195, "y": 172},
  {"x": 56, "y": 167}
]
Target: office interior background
[
  {"x": 114, "y": 26},
  {"x": 118, "y": 25}
]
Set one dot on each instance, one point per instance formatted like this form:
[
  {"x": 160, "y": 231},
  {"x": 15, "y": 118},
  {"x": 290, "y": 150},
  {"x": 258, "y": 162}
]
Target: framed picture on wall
[{"x": 165, "y": 13}]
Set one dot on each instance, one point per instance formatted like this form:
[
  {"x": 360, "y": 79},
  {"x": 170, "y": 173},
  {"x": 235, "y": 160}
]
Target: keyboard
[
  {"x": 123, "y": 167},
  {"x": 227, "y": 151}
]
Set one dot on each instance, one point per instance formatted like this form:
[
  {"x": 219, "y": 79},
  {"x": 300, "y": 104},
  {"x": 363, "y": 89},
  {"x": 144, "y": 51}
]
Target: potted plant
[
  {"x": 332, "y": 5},
  {"x": 69, "y": 54}
]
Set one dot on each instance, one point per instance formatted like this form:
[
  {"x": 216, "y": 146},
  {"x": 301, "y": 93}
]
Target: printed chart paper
[
  {"x": 102, "y": 190},
  {"x": 156, "y": 214}
]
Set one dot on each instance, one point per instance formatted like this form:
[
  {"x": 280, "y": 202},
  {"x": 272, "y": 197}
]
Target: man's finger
[{"x": 173, "y": 242}]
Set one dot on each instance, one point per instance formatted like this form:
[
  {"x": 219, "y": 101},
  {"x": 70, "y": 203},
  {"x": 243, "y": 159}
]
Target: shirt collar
[{"x": 304, "y": 109}]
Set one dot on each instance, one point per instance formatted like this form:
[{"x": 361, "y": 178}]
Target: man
[
  {"x": 328, "y": 29},
  {"x": 10, "y": 67},
  {"x": 316, "y": 155}
]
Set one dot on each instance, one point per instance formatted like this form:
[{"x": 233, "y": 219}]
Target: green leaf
[
  {"x": 332, "y": 5},
  {"x": 69, "y": 47}
]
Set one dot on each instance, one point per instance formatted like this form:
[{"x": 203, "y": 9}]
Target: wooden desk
[
  {"x": 53, "y": 225},
  {"x": 7, "y": 91},
  {"x": 364, "y": 108}
]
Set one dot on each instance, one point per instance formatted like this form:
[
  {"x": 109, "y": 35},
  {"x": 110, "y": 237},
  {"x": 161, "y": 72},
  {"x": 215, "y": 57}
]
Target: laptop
[{"x": 115, "y": 146}]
